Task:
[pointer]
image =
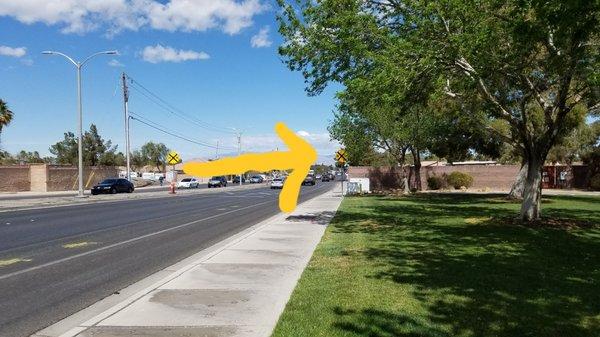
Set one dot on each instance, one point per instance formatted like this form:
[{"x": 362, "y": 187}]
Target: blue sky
[{"x": 213, "y": 59}]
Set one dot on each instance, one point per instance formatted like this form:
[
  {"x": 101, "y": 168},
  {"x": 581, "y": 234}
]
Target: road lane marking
[
  {"x": 78, "y": 244},
  {"x": 101, "y": 230},
  {"x": 69, "y": 258},
  {"x": 8, "y": 262},
  {"x": 100, "y": 249}
]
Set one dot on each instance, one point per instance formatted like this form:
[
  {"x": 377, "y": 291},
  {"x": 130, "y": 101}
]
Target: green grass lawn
[{"x": 450, "y": 265}]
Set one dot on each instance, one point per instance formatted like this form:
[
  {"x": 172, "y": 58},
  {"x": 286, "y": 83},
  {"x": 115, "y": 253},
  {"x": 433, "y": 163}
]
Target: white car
[
  {"x": 188, "y": 183},
  {"x": 277, "y": 183}
]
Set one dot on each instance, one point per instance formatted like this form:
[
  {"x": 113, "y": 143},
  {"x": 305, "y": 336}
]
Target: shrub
[
  {"x": 436, "y": 182},
  {"x": 459, "y": 179},
  {"x": 595, "y": 182}
]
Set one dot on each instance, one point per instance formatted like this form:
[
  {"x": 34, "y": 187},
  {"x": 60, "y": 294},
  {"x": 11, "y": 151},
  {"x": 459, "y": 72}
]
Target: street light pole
[
  {"x": 239, "y": 137},
  {"x": 79, "y": 65}
]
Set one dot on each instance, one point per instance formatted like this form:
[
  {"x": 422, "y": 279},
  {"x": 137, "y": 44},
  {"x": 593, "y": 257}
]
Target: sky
[{"x": 211, "y": 65}]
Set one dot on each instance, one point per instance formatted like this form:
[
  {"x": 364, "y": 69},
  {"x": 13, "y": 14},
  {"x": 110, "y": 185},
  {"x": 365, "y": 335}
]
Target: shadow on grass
[
  {"x": 379, "y": 323},
  {"x": 483, "y": 278}
]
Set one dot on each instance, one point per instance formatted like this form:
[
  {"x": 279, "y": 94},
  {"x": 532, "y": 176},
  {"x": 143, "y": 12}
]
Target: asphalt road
[
  {"x": 57, "y": 261},
  {"x": 138, "y": 190}
]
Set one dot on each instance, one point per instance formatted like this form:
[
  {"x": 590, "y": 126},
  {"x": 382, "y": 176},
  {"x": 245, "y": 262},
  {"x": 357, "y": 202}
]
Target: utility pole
[
  {"x": 217, "y": 154},
  {"x": 239, "y": 139},
  {"x": 126, "y": 107}
]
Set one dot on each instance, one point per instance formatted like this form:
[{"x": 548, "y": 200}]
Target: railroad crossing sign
[
  {"x": 173, "y": 158},
  {"x": 340, "y": 156}
]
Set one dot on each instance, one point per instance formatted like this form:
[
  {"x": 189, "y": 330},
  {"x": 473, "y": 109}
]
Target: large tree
[
  {"x": 528, "y": 63},
  {"x": 96, "y": 151},
  {"x": 156, "y": 153}
]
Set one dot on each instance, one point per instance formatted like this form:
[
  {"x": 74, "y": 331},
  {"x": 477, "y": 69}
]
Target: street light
[{"x": 79, "y": 65}]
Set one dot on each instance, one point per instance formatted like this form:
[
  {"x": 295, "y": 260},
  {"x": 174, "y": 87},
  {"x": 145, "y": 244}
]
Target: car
[
  {"x": 188, "y": 183},
  {"x": 256, "y": 180},
  {"x": 309, "y": 180},
  {"x": 325, "y": 177},
  {"x": 318, "y": 177},
  {"x": 112, "y": 186},
  {"x": 217, "y": 181},
  {"x": 277, "y": 183},
  {"x": 236, "y": 180}
]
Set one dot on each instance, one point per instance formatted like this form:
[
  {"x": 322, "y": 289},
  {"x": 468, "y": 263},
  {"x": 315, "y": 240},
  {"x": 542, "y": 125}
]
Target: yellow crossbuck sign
[
  {"x": 173, "y": 158},
  {"x": 340, "y": 156}
]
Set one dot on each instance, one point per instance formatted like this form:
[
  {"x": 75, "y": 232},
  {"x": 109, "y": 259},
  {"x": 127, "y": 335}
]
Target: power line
[
  {"x": 172, "y": 109},
  {"x": 156, "y": 126}
]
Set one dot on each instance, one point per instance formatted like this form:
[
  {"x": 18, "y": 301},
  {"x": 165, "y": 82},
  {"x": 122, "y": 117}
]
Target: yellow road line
[
  {"x": 8, "y": 262},
  {"x": 78, "y": 244}
]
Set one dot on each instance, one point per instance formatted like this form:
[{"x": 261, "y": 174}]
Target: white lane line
[{"x": 48, "y": 264}]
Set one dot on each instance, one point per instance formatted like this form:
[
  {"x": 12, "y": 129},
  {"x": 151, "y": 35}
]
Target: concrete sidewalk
[{"x": 238, "y": 287}]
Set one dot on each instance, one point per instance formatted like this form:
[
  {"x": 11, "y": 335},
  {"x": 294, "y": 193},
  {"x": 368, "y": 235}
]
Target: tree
[
  {"x": 529, "y": 64},
  {"x": 96, "y": 151},
  {"x": 29, "y": 157},
  {"x": 138, "y": 161},
  {"x": 6, "y": 115},
  {"x": 66, "y": 150},
  {"x": 156, "y": 154}
]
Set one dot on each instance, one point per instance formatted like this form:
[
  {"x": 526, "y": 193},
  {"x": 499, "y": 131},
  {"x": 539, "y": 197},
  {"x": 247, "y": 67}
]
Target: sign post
[
  {"x": 173, "y": 159},
  {"x": 341, "y": 158}
]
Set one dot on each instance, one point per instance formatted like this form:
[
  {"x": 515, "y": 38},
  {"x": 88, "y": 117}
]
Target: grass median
[{"x": 451, "y": 265}]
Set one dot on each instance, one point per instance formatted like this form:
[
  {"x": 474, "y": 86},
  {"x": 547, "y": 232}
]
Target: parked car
[
  {"x": 217, "y": 181},
  {"x": 112, "y": 186},
  {"x": 277, "y": 183},
  {"x": 257, "y": 180},
  {"x": 326, "y": 177},
  {"x": 318, "y": 177},
  {"x": 309, "y": 180},
  {"x": 188, "y": 183},
  {"x": 236, "y": 180}
]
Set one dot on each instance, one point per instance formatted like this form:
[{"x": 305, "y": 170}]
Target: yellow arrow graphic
[{"x": 299, "y": 158}]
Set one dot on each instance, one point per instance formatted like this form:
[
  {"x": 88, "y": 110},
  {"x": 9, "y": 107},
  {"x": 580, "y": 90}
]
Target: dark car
[
  {"x": 218, "y": 181},
  {"x": 112, "y": 186},
  {"x": 326, "y": 177},
  {"x": 236, "y": 180},
  {"x": 257, "y": 180},
  {"x": 309, "y": 180}
]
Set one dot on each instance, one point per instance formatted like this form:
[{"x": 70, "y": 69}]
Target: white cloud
[
  {"x": 159, "y": 53},
  {"x": 81, "y": 16},
  {"x": 303, "y": 133},
  {"x": 261, "y": 39},
  {"x": 13, "y": 52},
  {"x": 115, "y": 63}
]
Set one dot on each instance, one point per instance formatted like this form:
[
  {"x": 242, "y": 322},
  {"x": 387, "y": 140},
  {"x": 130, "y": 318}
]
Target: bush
[
  {"x": 436, "y": 182},
  {"x": 595, "y": 182},
  {"x": 459, "y": 179}
]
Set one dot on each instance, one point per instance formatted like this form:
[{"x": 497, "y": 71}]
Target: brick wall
[
  {"x": 64, "y": 178},
  {"x": 14, "y": 178},
  {"x": 497, "y": 177}
]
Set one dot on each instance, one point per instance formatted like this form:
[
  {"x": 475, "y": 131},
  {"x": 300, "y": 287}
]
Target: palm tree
[{"x": 5, "y": 115}]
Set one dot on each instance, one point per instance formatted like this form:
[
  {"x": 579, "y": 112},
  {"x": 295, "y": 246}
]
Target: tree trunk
[
  {"x": 516, "y": 191},
  {"x": 532, "y": 192},
  {"x": 417, "y": 162}
]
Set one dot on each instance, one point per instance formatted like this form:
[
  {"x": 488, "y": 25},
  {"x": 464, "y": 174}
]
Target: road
[
  {"x": 57, "y": 261},
  {"x": 138, "y": 190}
]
